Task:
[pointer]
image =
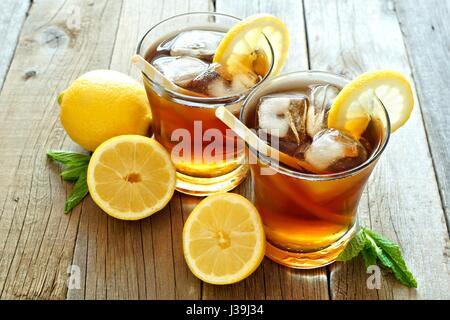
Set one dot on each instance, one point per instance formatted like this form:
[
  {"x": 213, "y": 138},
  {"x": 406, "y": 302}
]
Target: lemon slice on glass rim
[
  {"x": 351, "y": 110},
  {"x": 245, "y": 45}
]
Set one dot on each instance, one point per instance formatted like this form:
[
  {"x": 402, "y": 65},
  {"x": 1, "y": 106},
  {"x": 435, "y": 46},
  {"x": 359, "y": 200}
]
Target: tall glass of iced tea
[
  {"x": 309, "y": 217},
  {"x": 208, "y": 157}
]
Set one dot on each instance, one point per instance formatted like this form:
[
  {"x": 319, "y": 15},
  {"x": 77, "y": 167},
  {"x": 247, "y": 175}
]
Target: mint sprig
[
  {"x": 79, "y": 191},
  {"x": 353, "y": 248},
  {"x": 76, "y": 165},
  {"x": 68, "y": 158},
  {"x": 375, "y": 247},
  {"x": 72, "y": 173}
]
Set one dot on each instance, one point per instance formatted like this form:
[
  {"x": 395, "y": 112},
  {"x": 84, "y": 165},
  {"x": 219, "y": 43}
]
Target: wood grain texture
[
  {"x": 12, "y": 16},
  {"x": 402, "y": 200},
  {"x": 272, "y": 281},
  {"x": 426, "y": 30},
  {"x": 37, "y": 239},
  {"x": 290, "y": 11},
  {"x": 136, "y": 260},
  {"x": 143, "y": 260}
]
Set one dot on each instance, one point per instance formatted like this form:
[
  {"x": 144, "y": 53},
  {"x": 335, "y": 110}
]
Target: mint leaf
[
  {"x": 374, "y": 247},
  {"x": 72, "y": 173},
  {"x": 369, "y": 254},
  {"x": 76, "y": 170},
  {"x": 67, "y": 158},
  {"x": 390, "y": 256},
  {"x": 354, "y": 247},
  {"x": 79, "y": 191}
]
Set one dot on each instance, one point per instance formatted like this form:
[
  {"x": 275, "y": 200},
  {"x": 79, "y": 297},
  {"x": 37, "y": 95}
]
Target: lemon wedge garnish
[
  {"x": 351, "y": 110},
  {"x": 223, "y": 239},
  {"x": 131, "y": 177},
  {"x": 245, "y": 48}
]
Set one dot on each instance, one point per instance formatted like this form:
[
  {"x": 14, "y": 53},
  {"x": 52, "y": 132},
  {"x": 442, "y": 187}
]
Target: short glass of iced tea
[
  {"x": 309, "y": 217},
  {"x": 208, "y": 156}
]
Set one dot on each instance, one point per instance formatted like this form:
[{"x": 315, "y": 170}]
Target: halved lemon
[
  {"x": 130, "y": 177},
  {"x": 351, "y": 110},
  {"x": 223, "y": 239},
  {"x": 244, "y": 47}
]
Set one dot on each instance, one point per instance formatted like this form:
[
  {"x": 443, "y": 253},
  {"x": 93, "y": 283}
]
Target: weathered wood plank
[
  {"x": 426, "y": 32},
  {"x": 144, "y": 260},
  {"x": 402, "y": 200},
  {"x": 138, "y": 260},
  {"x": 290, "y": 11},
  {"x": 12, "y": 16},
  {"x": 272, "y": 281},
  {"x": 37, "y": 239}
]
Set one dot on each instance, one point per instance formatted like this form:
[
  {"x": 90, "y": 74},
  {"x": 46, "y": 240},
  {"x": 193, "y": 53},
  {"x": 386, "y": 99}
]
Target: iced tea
[
  {"x": 207, "y": 155},
  {"x": 308, "y": 217}
]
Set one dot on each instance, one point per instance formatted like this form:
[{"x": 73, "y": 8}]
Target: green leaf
[
  {"x": 353, "y": 248},
  {"x": 390, "y": 256},
  {"x": 76, "y": 170},
  {"x": 369, "y": 254},
  {"x": 67, "y": 158},
  {"x": 374, "y": 247},
  {"x": 79, "y": 191},
  {"x": 72, "y": 173}
]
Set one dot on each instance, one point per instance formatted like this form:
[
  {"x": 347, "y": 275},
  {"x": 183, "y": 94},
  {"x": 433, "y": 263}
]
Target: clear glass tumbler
[
  {"x": 309, "y": 218},
  {"x": 200, "y": 170}
]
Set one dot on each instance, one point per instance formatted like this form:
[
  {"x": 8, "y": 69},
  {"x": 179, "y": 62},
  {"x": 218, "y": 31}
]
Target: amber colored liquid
[
  {"x": 301, "y": 215},
  {"x": 169, "y": 116}
]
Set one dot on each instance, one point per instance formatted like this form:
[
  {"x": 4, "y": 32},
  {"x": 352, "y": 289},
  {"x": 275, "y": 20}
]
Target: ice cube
[
  {"x": 284, "y": 115},
  {"x": 200, "y": 44},
  {"x": 243, "y": 81},
  {"x": 334, "y": 151},
  {"x": 216, "y": 81},
  {"x": 180, "y": 70},
  {"x": 321, "y": 98}
]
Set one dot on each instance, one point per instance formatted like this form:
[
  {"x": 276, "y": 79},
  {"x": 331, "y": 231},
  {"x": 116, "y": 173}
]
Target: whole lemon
[{"x": 102, "y": 104}]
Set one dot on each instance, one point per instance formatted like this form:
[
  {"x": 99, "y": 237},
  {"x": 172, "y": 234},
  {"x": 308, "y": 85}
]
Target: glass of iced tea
[
  {"x": 309, "y": 217},
  {"x": 207, "y": 155}
]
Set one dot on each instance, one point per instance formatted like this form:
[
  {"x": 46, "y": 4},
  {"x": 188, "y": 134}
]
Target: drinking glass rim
[
  {"x": 207, "y": 100},
  {"x": 310, "y": 176}
]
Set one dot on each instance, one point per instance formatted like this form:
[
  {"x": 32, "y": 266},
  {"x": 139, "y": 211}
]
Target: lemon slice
[
  {"x": 223, "y": 239},
  {"x": 244, "y": 47},
  {"x": 130, "y": 177},
  {"x": 351, "y": 110}
]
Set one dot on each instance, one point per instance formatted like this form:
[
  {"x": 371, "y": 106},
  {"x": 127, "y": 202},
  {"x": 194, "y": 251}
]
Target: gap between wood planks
[
  {"x": 9, "y": 45},
  {"x": 164, "y": 259},
  {"x": 40, "y": 247},
  {"x": 398, "y": 209},
  {"x": 403, "y": 11},
  {"x": 279, "y": 282},
  {"x": 96, "y": 220}
]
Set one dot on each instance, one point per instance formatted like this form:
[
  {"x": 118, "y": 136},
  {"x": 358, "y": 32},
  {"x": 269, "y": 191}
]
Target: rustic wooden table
[{"x": 46, "y": 44}]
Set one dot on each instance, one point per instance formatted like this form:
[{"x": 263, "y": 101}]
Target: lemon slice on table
[
  {"x": 223, "y": 239},
  {"x": 130, "y": 177},
  {"x": 244, "y": 46},
  {"x": 351, "y": 112}
]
